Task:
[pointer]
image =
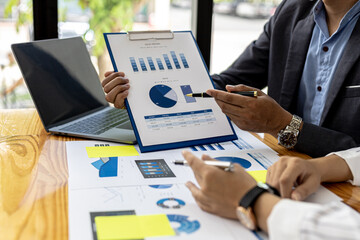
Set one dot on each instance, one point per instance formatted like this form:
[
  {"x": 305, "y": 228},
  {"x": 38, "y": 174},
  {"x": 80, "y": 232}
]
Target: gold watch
[{"x": 245, "y": 211}]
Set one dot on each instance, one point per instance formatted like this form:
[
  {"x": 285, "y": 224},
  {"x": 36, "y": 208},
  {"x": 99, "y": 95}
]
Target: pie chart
[
  {"x": 163, "y": 96},
  {"x": 243, "y": 162}
]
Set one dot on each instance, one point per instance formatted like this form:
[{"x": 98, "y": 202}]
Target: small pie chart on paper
[{"x": 163, "y": 96}]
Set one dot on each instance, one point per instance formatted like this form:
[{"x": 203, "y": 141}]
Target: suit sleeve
[{"x": 318, "y": 141}]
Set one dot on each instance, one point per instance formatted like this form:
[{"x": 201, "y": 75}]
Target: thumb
[{"x": 304, "y": 190}]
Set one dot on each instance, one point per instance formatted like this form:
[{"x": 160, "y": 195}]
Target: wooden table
[{"x": 34, "y": 175}]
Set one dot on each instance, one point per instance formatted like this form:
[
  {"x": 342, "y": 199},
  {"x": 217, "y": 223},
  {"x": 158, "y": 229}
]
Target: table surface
[{"x": 34, "y": 178}]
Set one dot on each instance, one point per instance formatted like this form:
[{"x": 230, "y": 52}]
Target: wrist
[
  {"x": 285, "y": 121},
  {"x": 263, "y": 207}
]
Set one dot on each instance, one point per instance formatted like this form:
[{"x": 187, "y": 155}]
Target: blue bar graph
[
  {"x": 211, "y": 147},
  {"x": 142, "y": 64},
  {"x": 160, "y": 65},
  {"x": 156, "y": 168},
  {"x": 218, "y": 146},
  {"x": 184, "y": 61},
  {"x": 133, "y": 64},
  {"x": 176, "y": 61},
  {"x": 194, "y": 149},
  {"x": 167, "y": 61},
  {"x": 151, "y": 64}
]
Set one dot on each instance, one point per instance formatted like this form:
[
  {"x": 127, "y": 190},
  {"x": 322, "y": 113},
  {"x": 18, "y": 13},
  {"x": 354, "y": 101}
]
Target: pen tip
[{"x": 189, "y": 95}]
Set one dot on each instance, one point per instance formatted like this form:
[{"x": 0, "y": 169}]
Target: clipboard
[{"x": 164, "y": 66}]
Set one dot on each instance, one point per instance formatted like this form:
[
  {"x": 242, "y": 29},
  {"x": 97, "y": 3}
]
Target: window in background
[
  {"x": 236, "y": 24},
  {"x": 90, "y": 20},
  {"x": 15, "y": 26}
]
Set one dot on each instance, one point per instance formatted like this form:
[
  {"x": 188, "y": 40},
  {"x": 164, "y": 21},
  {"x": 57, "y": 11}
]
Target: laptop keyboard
[{"x": 99, "y": 123}]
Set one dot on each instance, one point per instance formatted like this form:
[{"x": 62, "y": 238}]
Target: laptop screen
[{"x": 60, "y": 77}]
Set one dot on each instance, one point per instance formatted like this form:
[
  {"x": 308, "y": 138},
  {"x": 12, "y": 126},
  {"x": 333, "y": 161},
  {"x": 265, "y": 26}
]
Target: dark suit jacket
[{"x": 276, "y": 59}]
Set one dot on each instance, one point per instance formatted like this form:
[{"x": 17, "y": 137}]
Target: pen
[
  {"x": 205, "y": 95},
  {"x": 227, "y": 166}
]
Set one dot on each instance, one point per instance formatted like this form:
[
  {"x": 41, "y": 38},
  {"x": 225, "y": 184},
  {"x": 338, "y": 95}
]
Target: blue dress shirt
[{"x": 322, "y": 59}]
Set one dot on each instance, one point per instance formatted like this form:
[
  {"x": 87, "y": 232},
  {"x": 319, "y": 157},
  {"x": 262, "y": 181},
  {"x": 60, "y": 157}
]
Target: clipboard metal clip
[{"x": 147, "y": 35}]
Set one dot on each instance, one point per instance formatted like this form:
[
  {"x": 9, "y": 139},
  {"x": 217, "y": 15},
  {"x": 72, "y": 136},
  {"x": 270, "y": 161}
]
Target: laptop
[{"x": 67, "y": 93}]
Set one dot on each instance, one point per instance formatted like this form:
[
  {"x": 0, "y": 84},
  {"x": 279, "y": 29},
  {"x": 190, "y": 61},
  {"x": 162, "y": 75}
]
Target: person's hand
[
  {"x": 220, "y": 191},
  {"x": 260, "y": 114},
  {"x": 116, "y": 86},
  {"x": 294, "y": 177}
]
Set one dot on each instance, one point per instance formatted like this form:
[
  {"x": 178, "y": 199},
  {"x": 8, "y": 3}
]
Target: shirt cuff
[
  {"x": 352, "y": 158},
  {"x": 286, "y": 218}
]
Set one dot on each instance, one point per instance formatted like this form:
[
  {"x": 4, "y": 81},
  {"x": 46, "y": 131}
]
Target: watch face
[{"x": 287, "y": 139}]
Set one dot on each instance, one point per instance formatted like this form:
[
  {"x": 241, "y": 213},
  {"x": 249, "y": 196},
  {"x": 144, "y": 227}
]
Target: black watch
[{"x": 244, "y": 211}]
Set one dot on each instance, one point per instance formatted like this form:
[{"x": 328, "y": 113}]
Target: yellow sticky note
[
  {"x": 132, "y": 226},
  {"x": 259, "y": 176},
  {"x": 111, "y": 151}
]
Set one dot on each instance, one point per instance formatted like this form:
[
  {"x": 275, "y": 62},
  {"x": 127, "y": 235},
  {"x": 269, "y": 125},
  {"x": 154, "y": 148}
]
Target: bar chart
[{"x": 171, "y": 62}]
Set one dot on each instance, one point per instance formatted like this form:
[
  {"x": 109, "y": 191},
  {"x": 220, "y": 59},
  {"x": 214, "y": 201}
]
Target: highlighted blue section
[
  {"x": 186, "y": 226},
  {"x": 237, "y": 145},
  {"x": 184, "y": 61},
  {"x": 170, "y": 203},
  {"x": 151, "y": 64},
  {"x": 163, "y": 96},
  {"x": 142, "y": 64},
  {"x": 211, "y": 147},
  {"x": 160, "y": 65},
  {"x": 194, "y": 149},
  {"x": 110, "y": 168},
  {"x": 156, "y": 168},
  {"x": 161, "y": 186},
  {"x": 186, "y": 89},
  {"x": 243, "y": 162},
  {"x": 202, "y": 148},
  {"x": 97, "y": 164},
  {"x": 167, "y": 61},
  {"x": 176, "y": 61},
  {"x": 133, "y": 64},
  {"x": 218, "y": 146}
]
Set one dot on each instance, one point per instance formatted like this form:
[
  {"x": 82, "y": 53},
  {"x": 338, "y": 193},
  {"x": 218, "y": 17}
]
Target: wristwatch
[
  {"x": 245, "y": 211},
  {"x": 288, "y": 136}
]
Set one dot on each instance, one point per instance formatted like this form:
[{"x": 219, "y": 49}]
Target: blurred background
[{"x": 235, "y": 23}]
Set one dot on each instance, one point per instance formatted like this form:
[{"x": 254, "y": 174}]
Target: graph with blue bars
[
  {"x": 176, "y": 61},
  {"x": 171, "y": 63},
  {"x": 167, "y": 61},
  {"x": 151, "y": 63},
  {"x": 142, "y": 64},
  {"x": 133, "y": 64},
  {"x": 184, "y": 61},
  {"x": 155, "y": 168},
  {"x": 160, "y": 64}
]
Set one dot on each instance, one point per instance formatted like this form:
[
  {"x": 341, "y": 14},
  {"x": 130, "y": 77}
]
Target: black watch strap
[{"x": 250, "y": 197}]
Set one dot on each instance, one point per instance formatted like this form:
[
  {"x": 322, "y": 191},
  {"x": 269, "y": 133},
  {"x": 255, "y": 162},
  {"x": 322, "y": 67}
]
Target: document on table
[
  {"x": 111, "y": 183},
  {"x": 90, "y": 164},
  {"x": 162, "y": 69}
]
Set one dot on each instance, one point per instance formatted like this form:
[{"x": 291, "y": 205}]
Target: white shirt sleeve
[
  {"x": 301, "y": 220},
  {"x": 352, "y": 158}
]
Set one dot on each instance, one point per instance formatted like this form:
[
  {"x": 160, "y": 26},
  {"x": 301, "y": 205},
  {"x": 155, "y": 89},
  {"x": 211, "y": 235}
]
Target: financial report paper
[{"x": 161, "y": 72}]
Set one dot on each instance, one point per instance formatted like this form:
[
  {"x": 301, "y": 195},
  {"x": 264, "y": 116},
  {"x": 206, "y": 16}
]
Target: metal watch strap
[
  {"x": 250, "y": 197},
  {"x": 295, "y": 122}
]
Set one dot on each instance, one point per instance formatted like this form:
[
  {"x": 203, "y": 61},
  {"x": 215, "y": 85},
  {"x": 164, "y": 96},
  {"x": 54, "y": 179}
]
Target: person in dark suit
[{"x": 309, "y": 57}]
